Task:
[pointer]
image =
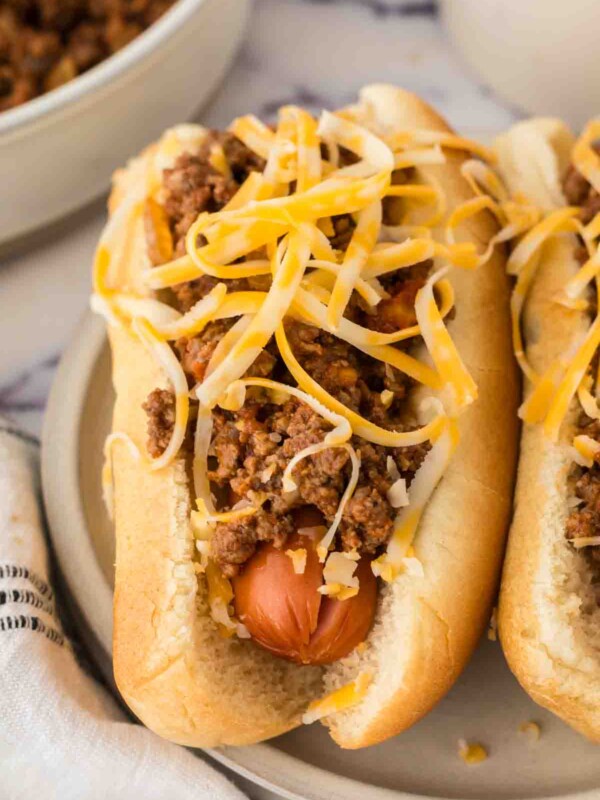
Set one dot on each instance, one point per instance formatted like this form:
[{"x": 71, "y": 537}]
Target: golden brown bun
[
  {"x": 427, "y": 629},
  {"x": 194, "y": 687},
  {"x": 549, "y": 622}
]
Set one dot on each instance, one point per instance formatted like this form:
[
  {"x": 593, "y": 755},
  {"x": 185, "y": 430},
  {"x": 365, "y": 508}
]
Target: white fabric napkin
[{"x": 62, "y": 736}]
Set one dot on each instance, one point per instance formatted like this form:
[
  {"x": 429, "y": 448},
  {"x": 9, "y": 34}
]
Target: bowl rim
[{"x": 103, "y": 73}]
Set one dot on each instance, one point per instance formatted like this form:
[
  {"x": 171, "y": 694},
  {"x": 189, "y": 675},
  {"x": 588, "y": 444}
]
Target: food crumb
[
  {"x": 492, "y": 632},
  {"x": 531, "y": 729},
  {"x": 471, "y": 752}
]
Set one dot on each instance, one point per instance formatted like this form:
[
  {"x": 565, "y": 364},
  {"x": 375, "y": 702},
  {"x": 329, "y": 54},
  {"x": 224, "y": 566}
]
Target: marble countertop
[{"x": 288, "y": 57}]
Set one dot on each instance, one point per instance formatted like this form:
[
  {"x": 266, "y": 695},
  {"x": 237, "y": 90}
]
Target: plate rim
[{"x": 60, "y": 459}]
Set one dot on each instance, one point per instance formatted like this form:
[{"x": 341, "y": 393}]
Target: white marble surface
[{"x": 313, "y": 52}]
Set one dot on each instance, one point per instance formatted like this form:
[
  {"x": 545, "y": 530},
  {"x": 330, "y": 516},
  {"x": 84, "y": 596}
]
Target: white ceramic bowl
[
  {"x": 57, "y": 152},
  {"x": 540, "y": 56}
]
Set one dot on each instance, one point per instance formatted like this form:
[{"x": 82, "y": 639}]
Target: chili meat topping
[{"x": 251, "y": 448}]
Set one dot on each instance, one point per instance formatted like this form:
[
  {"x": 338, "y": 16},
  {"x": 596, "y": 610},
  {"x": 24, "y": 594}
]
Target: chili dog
[
  {"x": 548, "y": 614},
  {"x": 314, "y": 433}
]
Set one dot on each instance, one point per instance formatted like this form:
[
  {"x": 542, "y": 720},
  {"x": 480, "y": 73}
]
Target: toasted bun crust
[
  {"x": 194, "y": 687},
  {"x": 549, "y": 622}
]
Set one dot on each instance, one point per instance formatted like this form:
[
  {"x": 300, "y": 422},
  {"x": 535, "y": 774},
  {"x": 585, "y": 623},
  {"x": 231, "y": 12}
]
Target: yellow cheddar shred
[{"x": 340, "y": 700}]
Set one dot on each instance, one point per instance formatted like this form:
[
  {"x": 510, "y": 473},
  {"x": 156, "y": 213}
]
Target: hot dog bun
[
  {"x": 549, "y": 621},
  {"x": 190, "y": 685}
]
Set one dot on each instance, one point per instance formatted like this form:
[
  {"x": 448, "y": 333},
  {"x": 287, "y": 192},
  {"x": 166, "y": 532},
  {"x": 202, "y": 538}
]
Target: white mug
[{"x": 541, "y": 56}]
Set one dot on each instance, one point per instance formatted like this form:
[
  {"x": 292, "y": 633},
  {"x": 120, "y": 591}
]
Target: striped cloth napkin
[{"x": 62, "y": 735}]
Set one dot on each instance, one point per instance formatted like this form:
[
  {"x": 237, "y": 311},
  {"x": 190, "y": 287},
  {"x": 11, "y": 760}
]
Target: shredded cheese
[
  {"x": 361, "y": 426},
  {"x": 389, "y": 565},
  {"x": 298, "y": 558},
  {"x": 445, "y": 356},
  {"x": 585, "y": 541},
  {"x": 340, "y": 700},
  {"x": 220, "y": 595},
  {"x": 286, "y": 280},
  {"x": 584, "y": 157},
  {"x": 107, "y": 472},
  {"x": 167, "y": 359},
  {"x": 339, "y": 577},
  {"x": 471, "y": 752},
  {"x": 397, "y": 494},
  {"x": 585, "y": 450},
  {"x": 277, "y": 225},
  {"x": 531, "y": 729}
]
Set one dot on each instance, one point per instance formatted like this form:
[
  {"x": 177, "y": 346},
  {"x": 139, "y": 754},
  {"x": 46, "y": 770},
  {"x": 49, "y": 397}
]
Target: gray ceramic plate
[{"x": 486, "y": 705}]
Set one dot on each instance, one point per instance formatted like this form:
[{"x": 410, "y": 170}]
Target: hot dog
[
  {"x": 313, "y": 439},
  {"x": 548, "y": 613}
]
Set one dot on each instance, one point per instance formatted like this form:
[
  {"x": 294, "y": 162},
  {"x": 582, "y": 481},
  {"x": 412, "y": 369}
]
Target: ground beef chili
[
  {"x": 251, "y": 447},
  {"x": 160, "y": 408},
  {"x": 584, "y": 519},
  {"x": 45, "y": 43}
]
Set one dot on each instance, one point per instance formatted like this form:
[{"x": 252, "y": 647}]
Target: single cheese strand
[
  {"x": 573, "y": 377},
  {"x": 422, "y": 136},
  {"x": 325, "y": 543},
  {"x": 535, "y": 408},
  {"x": 170, "y": 324},
  {"x": 160, "y": 225},
  {"x": 560, "y": 221},
  {"x": 517, "y": 302},
  {"x": 167, "y": 359},
  {"x": 289, "y": 485},
  {"x": 358, "y": 139},
  {"x": 360, "y": 425},
  {"x": 286, "y": 281},
  {"x": 115, "y": 233},
  {"x": 386, "y": 258},
  {"x": 340, "y": 700},
  {"x": 441, "y": 347},
  {"x": 420, "y": 491},
  {"x": 203, "y": 521},
  {"x": 584, "y": 157},
  {"x": 588, "y": 402},
  {"x": 202, "y": 438},
  {"x": 465, "y": 211},
  {"x": 362, "y": 242},
  {"x": 309, "y": 155},
  {"x": 186, "y": 269},
  {"x": 236, "y": 304},
  {"x": 287, "y": 481},
  {"x": 586, "y": 449},
  {"x": 257, "y": 136},
  {"x": 225, "y": 345},
  {"x": 255, "y": 187},
  {"x": 218, "y": 160},
  {"x": 483, "y": 180},
  {"x": 129, "y": 306},
  {"x": 331, "y": 269},
  {"x": 575, "y": 286},
  {"x": 320, "y": 246},
  {"x": 281, "y": 166},
  {"x": 108, "y": 491},
  {"x": 419, "y": 156},
  {"x": 195, "y": 320},
  {"x": 220, "y": 595}
]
